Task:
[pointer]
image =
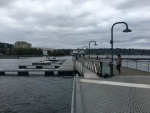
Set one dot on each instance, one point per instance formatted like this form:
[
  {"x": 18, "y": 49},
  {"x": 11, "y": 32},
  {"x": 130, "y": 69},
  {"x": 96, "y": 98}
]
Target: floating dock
[{"x": 64, "y": 68}]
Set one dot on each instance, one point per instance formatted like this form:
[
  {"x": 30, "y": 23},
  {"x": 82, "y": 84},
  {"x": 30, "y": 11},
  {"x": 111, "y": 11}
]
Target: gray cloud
[
  {"x": 132, "y": 4},
  {"x": 73, "y": 23},
  {"x": 4, "y": 3}
]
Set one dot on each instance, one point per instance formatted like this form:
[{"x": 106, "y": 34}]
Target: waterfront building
[
  {"x": 22, "y": 44},
  {"x": 46, "y": 50},
  {"x": 6, "y": 48},
  {"x": 6, "y": 45}
]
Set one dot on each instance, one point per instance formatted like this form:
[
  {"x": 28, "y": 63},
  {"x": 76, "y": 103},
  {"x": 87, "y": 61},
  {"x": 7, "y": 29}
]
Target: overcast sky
[{"x": 73, "y": 23}]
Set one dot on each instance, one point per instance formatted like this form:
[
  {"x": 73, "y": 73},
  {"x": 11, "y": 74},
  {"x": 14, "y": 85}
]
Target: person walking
[{"x": 119, "y": 61}]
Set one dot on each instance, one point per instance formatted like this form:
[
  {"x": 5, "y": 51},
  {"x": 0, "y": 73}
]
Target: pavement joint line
[{"x": 116, "y": 83}]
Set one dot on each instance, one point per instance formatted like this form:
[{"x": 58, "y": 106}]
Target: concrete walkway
[
  {"x": 128, "y": 71},
  {"x": 113, "y": 96},
  {"x": 110, "y": 98},
  {"x": 128, "y": 93}
]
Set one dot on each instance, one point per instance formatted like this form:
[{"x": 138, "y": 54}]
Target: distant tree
[
  {"x": 40, "y": 51},
  {"x": 28, "y": 51}
]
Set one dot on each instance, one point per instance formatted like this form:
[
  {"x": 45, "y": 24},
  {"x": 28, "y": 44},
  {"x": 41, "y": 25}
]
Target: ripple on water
[{"x": 35, "y": 94}]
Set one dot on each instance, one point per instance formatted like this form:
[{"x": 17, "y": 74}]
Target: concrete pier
[{"x": 127, "y": 92}]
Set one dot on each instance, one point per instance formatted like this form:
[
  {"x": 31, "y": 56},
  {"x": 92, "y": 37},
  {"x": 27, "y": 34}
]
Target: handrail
[
  {"x": 136, "y": 64},
  {"x": 89, "y": 64}
]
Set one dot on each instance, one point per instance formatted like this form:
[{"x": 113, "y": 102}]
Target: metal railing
[
  {"x": 143, "y": 65},
  {"x": 137, "y": 64},
  {"x": 81, "y": 64},
  {"x": 92, "y": 65}
]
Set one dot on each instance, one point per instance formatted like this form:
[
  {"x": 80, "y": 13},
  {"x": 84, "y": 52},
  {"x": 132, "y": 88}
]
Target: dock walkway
[
  {"x": 84, "y": 71},
  {"x": 67, "y": 65},
  {"x": 123, "y": 93}
]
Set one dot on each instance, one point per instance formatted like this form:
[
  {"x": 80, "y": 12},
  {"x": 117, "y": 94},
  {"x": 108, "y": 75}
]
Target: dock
[
  {"x": 127, "y": 92},
  {"x": 64, "y": 68}
]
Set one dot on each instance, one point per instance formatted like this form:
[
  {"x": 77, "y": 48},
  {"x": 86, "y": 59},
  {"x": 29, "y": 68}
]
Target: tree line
[
  {"x": 28, "y": 51},
  {"x": 59, "y": 52}
]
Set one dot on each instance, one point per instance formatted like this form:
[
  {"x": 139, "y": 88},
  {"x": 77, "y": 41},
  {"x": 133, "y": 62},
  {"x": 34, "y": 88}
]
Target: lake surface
[{"x": 35, "y": 93}]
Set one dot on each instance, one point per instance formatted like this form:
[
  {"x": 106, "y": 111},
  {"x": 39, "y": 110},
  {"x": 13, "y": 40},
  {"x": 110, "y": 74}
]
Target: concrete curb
[
  {"x": 79, "y": 103},
  {"x": 73, "y": 97}
]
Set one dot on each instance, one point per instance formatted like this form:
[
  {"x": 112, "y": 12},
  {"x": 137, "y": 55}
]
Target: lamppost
[
  {"x": 111, "y": 41},
  {"x": 89, "y": 47}
]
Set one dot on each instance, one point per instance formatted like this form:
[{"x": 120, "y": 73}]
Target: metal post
[
  {"x": 127, "y": 62},
  {"x": 89, "y": 47},
  {"x": 148, "y": 66},
  {"x": 136, "y": 64},
  {"x": 111, "y": 42},
  {"x": 89, "y": 50}
]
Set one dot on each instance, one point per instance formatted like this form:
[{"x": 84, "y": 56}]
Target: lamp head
[
  {"x": 127, "y": 30},
  {"x": 95, "y": 44}
]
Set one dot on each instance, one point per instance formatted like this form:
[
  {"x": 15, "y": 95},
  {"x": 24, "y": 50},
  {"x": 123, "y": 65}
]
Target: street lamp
[
  {"x": 83, "y": 50},
  {"x": 111, "y": 41},
  {"x": 89, "y": 47}
]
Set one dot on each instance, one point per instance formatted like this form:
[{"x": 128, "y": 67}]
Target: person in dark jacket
[{"x": 119, "y": 61}]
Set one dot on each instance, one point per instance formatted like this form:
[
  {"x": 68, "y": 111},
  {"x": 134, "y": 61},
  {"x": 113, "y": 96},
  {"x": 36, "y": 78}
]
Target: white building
[{"x": 45, "y": 50}]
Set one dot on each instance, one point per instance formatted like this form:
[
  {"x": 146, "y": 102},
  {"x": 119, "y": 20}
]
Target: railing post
[
  {"x": 136, "y": 64},
  {"x": 127, "y": 62},
  {"x": 148, "y": 66},
  {"x": 82, "y": 66}
]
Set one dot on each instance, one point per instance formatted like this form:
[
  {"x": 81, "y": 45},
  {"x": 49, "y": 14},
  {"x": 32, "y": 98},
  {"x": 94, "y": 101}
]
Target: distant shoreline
[
  {"x": 16, "y": 56},
  {"x": 19, "y": 56}
]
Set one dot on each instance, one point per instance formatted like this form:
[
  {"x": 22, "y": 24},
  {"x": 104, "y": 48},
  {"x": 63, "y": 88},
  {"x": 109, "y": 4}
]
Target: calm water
[{"x": 33, "y": 94}]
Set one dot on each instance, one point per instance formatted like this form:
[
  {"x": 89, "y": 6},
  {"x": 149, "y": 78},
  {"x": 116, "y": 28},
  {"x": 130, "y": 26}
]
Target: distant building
[
  {"x": 6, "y": 45},
  {"x": 6, "y": 48},
  {"x": 77, "y": 52},
  {"x": 45, "y": 50},
  {"x": 22, "y": 44}
]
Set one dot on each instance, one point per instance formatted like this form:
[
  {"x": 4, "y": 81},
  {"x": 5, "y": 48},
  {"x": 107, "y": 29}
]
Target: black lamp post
[
  {"x": 89, "y": 47},
  {"x": 111, "y": 41}
]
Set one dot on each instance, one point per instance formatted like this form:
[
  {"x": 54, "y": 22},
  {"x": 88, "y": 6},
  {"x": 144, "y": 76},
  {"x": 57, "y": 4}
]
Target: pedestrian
[
  {"x": 97, "y": 57},
  {"x": 119, "y": 61}
]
